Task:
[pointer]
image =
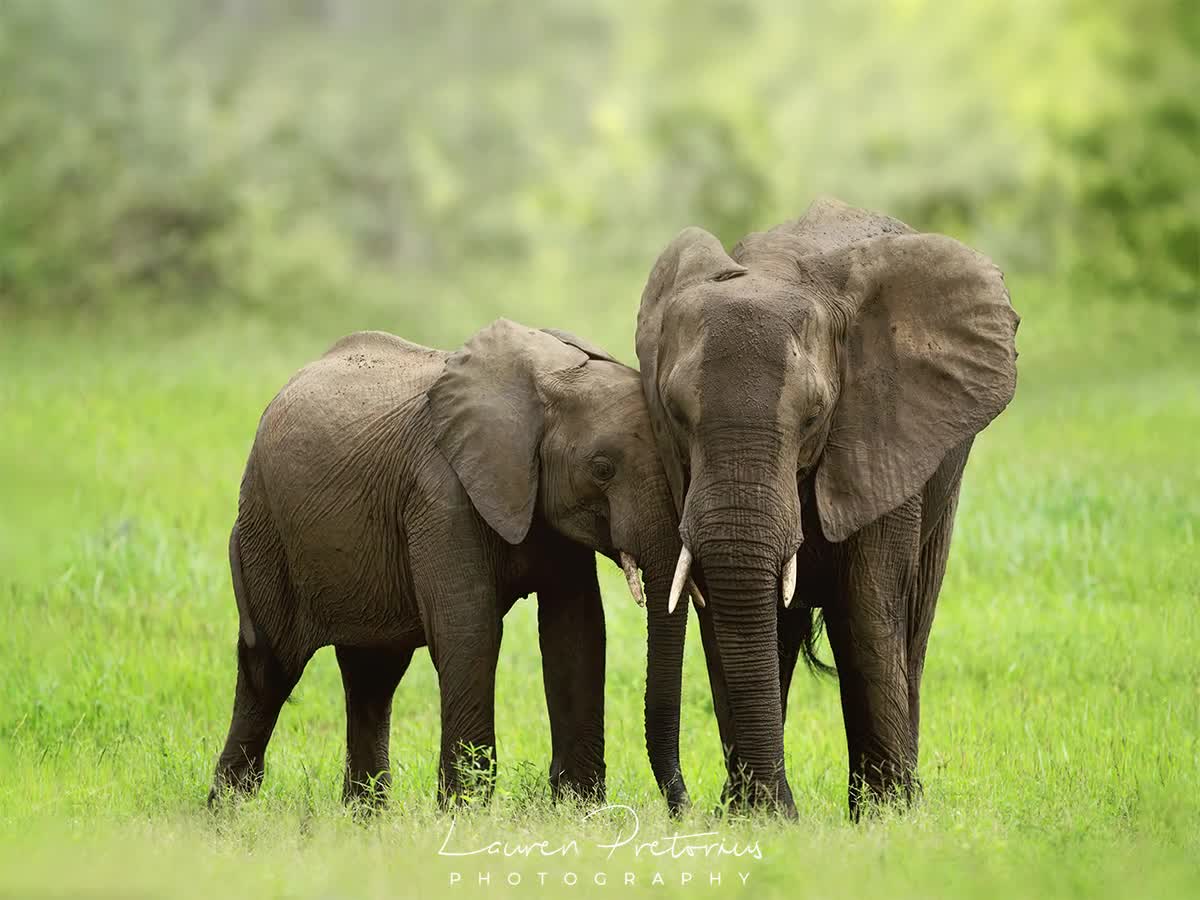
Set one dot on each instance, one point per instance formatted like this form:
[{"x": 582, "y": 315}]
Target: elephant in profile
[
  {"x": 397, "y": 497},
  {"x": 814, "y": 395}
]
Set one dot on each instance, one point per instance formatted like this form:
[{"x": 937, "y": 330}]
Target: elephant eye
[
  {"x": 814, "y": 417},
  {"x": 602, "y": 468},
  {"x": 812, "y": 421}
]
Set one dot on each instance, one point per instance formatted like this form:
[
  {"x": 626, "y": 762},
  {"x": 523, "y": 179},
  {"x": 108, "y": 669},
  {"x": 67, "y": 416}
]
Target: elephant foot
[
  {"x": 883, "y": 787},
  {"x": 366, "y": 794},
  {"x": 744, "y": 796},
  {"x": 581, "y": 784},
  {"x": 468, "y": 778},
  {"x": 240, "y": 780}
]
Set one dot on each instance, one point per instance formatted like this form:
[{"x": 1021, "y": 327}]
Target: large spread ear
[
  {"x": 694, "y": 256},
  {"x": 929, "y": 360},
  {"x": 488, "y": 418}
]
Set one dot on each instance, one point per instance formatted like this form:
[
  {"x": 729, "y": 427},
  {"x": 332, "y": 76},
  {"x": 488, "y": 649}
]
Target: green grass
[{"x": 1060, "y": 747}]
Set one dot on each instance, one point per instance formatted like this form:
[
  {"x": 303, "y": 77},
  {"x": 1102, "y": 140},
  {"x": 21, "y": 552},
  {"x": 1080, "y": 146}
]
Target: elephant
[
  {"x": 814, "y": 395},
  {"x": 398, "y": 496}
]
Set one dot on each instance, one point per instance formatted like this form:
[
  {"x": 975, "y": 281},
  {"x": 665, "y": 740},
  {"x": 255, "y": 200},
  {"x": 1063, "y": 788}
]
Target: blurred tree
[
  {"x": 270, "y": 153},
  {"x": 1137, "y": 159}
]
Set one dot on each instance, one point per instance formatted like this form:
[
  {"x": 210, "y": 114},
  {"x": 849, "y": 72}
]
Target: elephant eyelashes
[
  {"x": 812, "y": 420},
  {"x": 602, "y": 469},
  {"x": 817, "y": 408}
]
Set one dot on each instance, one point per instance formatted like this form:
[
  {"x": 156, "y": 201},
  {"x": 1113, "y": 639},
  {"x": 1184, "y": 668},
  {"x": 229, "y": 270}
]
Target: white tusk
[
  {"x": 630, "y": 567},
  {"x": 788, "y": 588},
  {"x": 681, "y": 576},
  {"x": 697, "y": 597}
]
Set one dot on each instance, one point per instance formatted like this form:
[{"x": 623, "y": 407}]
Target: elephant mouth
[
  {"x": 683, "y": 578},
  {"x": 629, "y": 565}
]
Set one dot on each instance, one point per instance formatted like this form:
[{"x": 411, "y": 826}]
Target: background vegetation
[
  {"x": 197, "y": 198},
  {"x": 274, "y": 153}
]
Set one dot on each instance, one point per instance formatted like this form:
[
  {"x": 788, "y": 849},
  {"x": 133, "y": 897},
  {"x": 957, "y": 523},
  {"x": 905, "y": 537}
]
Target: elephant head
[
  {"x": 544, "y": 423},
  {"x": 832, "y": 360}
]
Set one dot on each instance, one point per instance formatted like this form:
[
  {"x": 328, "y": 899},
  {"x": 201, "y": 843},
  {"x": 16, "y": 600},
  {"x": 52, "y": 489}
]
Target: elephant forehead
[
  {"x": 600, "y": 413},
  {"x": 748, "y": 352},
  {"x": 602, "y": 392},
  {"x": 623, "y": 415}
]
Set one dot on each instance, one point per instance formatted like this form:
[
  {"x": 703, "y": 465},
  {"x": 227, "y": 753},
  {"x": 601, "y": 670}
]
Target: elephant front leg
[
  {"x": 572, "y": 639},
  {"x": 455, "y": 585},
  {"x": 868, "y": 631},
  {"x": 466, "y": 667}
]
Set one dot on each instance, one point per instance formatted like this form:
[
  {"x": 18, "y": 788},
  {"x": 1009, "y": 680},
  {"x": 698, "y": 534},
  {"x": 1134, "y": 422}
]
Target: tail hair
[{"x": 814, "y": 627}]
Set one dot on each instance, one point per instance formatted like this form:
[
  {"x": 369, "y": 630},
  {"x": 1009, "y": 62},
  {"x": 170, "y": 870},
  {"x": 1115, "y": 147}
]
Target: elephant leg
[
  {"x": 454, "y": 584},
  {"x": 571, "y": 635},
  {"x": 369, "y": 678},
  {"x": 466, "y": 667},
  {"x": 264, "y": 682},
  {"x": 817, "y": 589},
  {"x": 869, "y": 634},
  {"x": 931, "y": 568},
  {"x": 795, "y": 626}
]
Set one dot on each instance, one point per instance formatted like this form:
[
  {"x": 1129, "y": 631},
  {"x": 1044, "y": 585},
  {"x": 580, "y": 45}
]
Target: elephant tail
[
  {"x": 245, "y": 623},
  {"x": 814, "y": 626}
]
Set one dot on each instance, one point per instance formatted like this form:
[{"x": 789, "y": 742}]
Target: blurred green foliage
[{"x": 281, "y": 154}]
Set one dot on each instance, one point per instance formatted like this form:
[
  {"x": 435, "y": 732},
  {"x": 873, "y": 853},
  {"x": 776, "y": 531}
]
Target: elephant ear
[
  {"x": 488, "y": 418},
  {"x": 592, "y": 350},
  {"x": 929, "y": 359},
  {"x": 693, "y": 257}
]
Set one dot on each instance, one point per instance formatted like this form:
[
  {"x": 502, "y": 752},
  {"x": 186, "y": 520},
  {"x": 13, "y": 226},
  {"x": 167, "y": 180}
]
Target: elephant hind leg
[
  {"x": 799, "y": 627},
  {"x": 264, "y": 682},
  {"x": 931, "y": 568},
  {"x": 369, "y": 677},
  {"x": 272, "y": 651}
]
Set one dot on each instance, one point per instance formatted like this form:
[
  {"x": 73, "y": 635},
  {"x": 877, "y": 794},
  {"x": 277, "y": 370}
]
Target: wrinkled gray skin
[
  {"x": 816, "y": 393},
  {"x": 398, "y": 497}
]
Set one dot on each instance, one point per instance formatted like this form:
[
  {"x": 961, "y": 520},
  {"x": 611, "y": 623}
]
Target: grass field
[{"x": 1061, "y": 741}]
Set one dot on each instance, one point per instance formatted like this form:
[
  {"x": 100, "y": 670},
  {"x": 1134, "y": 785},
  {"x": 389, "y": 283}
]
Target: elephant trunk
[
  {"x": 666, "y": 633},
  {"x": 742, "y": 522},
  {"x": 744, "y": 622}
]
